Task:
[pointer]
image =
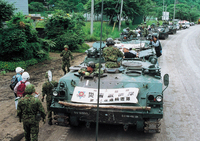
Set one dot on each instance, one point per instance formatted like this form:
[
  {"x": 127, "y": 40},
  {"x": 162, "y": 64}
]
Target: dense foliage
[
  {"x": 185, "y": 9},
  {"x": 19, "y": 41},
  {"x": 7, "y": 10},
  {"x": 36, "y": 7},
  {"x": 63, "y": 29},
  {"x": 131, "y": 8}
]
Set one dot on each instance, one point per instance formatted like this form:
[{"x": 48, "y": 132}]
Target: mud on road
[{"x": 10, "y": 127}]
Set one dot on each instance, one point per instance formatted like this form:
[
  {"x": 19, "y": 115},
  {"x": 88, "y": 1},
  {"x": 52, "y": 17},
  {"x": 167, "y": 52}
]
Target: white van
[{"x": 187, "y": 24}]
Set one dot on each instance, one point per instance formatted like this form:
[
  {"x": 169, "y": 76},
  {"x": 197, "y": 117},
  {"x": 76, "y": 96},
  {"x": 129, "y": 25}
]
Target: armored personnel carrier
[
  {"x": 129, "y": 95},
  {"x": 163, "y": 32},
  {"x": 172, "y": 28}
]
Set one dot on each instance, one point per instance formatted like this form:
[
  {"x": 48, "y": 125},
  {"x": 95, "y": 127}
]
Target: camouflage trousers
[
  {"x": 31, "y": 131},
  {"x": 112, "y": 64},
  {"x": 64, "y": 64},
  {"x": 49, "y": 111}
]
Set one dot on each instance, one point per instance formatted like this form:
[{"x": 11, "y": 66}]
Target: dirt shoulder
[{"x": 10, "y": 127}]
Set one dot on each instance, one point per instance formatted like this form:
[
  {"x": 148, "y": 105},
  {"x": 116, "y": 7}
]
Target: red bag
[{"x": 21, "y": 89}]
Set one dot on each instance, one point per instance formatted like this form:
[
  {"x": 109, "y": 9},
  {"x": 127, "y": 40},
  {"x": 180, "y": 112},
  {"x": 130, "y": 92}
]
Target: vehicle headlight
[
  {"x": 159, "y": 98},
  {"x": 55, "y": 93}
]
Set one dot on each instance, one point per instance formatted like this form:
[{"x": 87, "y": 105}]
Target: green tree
[
  {"x": 149, "y": 9},
  {"x": 69, "y": 5},
  {"x": 41, "y": 1},
  {"x": 131, "y": 8},
  {"x": 19, "y": 41},
  {"x": 36, "y": 7},
  {"x": 7, "y": 11},
  {"x": 63, "y": 28}
]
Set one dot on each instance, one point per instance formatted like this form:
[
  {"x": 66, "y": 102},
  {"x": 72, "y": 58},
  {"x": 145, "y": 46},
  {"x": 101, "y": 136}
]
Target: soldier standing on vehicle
[
  {"x": 66, "y": 53},
  {"x": 111, "y": 54},
  {"x": 47, "y": 89},
  {"x": 30, "y": 110}
]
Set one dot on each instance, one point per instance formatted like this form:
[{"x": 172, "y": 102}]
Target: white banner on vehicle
[{"x": 106, "y": 96}]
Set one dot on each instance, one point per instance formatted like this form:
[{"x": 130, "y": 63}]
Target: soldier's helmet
[
  {"x": 66, "y": 46},
  {"x": 91, "y": 64},
  {"x": 127, "y": 28},
  {"x": 110, "y": 41},
  {"x": 29, "y": 89}
]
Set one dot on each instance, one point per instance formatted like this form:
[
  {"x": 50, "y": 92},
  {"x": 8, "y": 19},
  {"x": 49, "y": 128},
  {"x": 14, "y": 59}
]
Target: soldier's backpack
[
  {"x": 13, "y": 83},
  {"x": 21, "y": 89}
]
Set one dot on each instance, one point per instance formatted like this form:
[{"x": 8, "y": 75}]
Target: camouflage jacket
[
  {"x": 47, "y": 88},
  {"x": 112, "y": 54},
  {"x": 66, "y": 55},
  {"x": 28, "y": 108}
]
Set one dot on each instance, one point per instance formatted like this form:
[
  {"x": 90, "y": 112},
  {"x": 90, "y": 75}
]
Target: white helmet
[
  {"x": 19, "y": 70},
  {"x": 26, "y": 76}
]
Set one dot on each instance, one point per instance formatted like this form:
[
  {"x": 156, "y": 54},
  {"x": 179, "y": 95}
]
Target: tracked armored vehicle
[
  {"x": 129, "y": 95},
  {"x": 172, "y": 28},
  {"x": 163, "y": 32}
]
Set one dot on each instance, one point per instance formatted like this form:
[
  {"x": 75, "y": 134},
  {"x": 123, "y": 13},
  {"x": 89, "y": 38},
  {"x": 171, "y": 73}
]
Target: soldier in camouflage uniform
[
  {"x": 111, "y": 54},
  {"x": 30, "y": 110},
  {"x": 47, "y": 88},
  {"x": 131, "y": 32},
  {"x": 66, "y": 61}
]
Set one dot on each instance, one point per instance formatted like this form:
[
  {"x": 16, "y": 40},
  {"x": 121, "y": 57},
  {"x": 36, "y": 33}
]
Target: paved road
[{"x": 180, "y": 59}]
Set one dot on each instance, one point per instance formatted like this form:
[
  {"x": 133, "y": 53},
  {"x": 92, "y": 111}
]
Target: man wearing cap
[
  {"x": 66, "y": 60},
  {"x": 47, "y": 89},
  {"x": 30, "y": 110},
  {"x": 156, "y": 43}
]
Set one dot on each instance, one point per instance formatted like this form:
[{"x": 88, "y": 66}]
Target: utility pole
[
  {"x": 92, "y": 13},
  {"x": 165, "y": 13},
  {"x": 174, "y": 8},
  {"x": 120, "y": 15}
]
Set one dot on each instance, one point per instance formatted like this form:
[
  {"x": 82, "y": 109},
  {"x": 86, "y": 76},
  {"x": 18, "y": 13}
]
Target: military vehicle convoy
[
  {"x": 172, "y": 28},
  {"x": 163, "y": 31},
  {"x": 129, "y": 95}
]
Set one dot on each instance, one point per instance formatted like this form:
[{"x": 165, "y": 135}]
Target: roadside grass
[
  {"x": 82, "y": 48},
  {"x": 107, "y": 30}
]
